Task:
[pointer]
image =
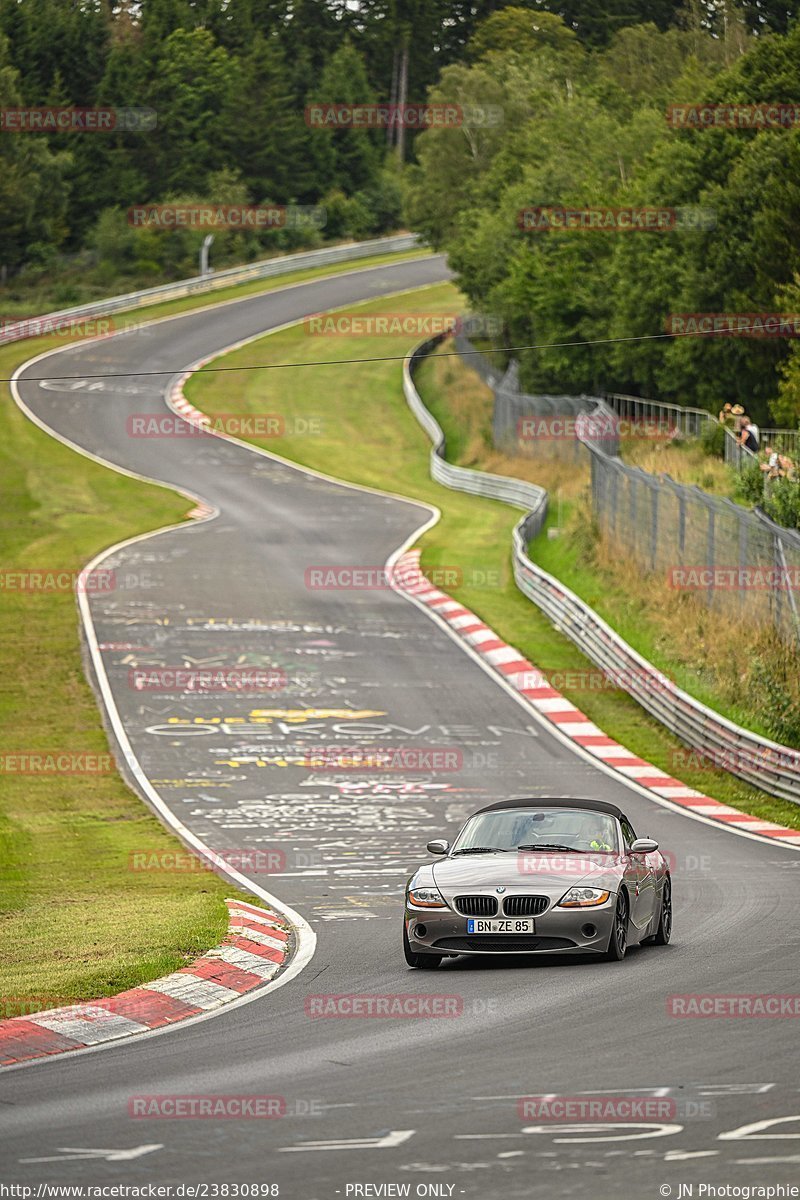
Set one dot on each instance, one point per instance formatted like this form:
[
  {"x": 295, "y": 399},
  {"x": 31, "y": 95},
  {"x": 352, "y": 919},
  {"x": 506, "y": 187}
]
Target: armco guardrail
[
  {"x": 264, "y": 269},
  {"x": 478, "y": 483},
  {"x": 773, "y": 768}
]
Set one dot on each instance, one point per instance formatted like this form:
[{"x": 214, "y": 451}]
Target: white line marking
[
  {"x": 395, "y": 1137},
  {"x": 307, "y": 937},
  {"x": 108, "y": 1155}
]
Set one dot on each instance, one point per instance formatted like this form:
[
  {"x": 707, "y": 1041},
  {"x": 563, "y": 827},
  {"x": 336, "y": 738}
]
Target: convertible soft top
[{"x": 560, "y": 802}]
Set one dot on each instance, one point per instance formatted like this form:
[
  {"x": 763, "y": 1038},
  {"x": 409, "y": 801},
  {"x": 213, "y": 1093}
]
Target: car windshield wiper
[
  {"x": 481, "y": 850},
  {"x": 552, "y": 846}
]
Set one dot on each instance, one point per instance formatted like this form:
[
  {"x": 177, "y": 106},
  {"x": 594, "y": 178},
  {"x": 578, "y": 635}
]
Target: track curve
[{"x": 233, "y": 590}]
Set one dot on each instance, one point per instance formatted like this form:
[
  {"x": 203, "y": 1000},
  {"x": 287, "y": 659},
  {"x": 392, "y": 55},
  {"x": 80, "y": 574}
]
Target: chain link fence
[
  {"x": 528, "y": 496},
  {"x": 536, "y": 426},
  {"x": 736, "y": 558},
  {"x": 756, "y": 760}
]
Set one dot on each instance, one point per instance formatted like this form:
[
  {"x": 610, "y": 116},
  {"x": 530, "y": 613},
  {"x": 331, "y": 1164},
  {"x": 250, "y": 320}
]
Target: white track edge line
[
  {"x": 304, "y": 952},
  {"x": 295, "y": 965}
]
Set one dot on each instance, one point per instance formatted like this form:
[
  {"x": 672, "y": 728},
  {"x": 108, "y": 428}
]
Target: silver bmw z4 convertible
[{"x": 537, "y": 876}]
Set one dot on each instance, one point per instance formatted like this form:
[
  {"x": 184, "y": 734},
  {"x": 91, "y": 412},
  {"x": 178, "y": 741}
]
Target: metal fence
[
  {"x": 736, "y": 559},
  {"x": 762, "y": 763},
  {"x": 785, "y": 441},
  {"x": 490, "y": 369},
  {"x": 528, "y": 496},
  {"x": 773, "y": 768},
  {"x": 737, "y": 455},
  {"x": 637, "y": 414},
  {"x": 538, "y": 426}
]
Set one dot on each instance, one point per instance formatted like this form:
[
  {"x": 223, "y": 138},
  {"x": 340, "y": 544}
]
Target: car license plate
[{"x": 478, "y": 925}]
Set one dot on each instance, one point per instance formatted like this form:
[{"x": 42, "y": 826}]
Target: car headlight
[
  {"x": 426, "y": 897},
  {"x": 583, "y": 897}
]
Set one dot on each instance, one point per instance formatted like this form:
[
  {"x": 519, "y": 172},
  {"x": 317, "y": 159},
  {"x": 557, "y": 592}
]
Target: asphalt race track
[{"x": 429, "y": 1103}]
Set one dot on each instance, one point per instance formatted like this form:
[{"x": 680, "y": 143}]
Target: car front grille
[
  {"x": 476, "y": 906},
  {"x": 524, "y": 906},
  {"x": 504, "y": 944}
]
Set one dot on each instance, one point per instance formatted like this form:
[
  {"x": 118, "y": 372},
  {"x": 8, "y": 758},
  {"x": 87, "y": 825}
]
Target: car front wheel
[
  {"x": 664, "y": 931},
  {"x": 618, "y": 941}
]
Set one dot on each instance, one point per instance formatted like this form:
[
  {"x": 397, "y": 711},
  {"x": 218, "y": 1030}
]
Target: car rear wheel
[
  {"x": 423, "y": 962},
  {"x": 664, "y": 931},
  {"x": 618, "y": 941}
]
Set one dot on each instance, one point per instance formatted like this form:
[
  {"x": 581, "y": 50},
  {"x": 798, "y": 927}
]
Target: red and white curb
[
  {"x": 183, "y": 408},
  {"x": 531, "y": 683},
  {"x": 181, "y": 405},
  {"x": 255, "y": 948}
]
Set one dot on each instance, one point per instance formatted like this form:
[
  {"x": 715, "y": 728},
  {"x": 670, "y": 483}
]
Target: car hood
[{"x": 527, "y": 872}]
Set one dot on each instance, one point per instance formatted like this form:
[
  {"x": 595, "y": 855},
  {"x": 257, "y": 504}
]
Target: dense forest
[
  {"x": 579, "y": 90},
  {"x": 586, "y": 126}
]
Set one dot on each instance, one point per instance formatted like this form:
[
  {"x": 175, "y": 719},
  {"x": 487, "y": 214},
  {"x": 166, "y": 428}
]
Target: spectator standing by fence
[
  {"x": 737, "y": 413},
  {"x": 748, "y": 436}
]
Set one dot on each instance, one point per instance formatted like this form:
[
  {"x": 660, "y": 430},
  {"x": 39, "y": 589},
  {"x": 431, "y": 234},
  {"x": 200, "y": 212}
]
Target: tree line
[
  {"x": 229, "y": 81},
  {"x": 577, "y": 91},
  {"x": 586, "y": 128}
]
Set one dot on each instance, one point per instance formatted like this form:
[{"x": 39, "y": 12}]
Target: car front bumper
[{"x": 557, "y": 931}]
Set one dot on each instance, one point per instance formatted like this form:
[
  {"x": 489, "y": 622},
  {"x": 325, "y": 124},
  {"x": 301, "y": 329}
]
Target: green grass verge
[
  {"x": 561, "y": 556},
  {"x": 75, "y": 922},
  {"x": 370, "y": 437}
]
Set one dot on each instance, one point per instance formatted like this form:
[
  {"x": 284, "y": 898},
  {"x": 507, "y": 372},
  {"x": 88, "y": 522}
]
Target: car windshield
[{"x": 575, "y": 829}]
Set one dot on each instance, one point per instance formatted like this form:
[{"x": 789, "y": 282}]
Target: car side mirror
[
  {"x": 440, "y": 846},
  {"x": 644, "y": 846}
]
